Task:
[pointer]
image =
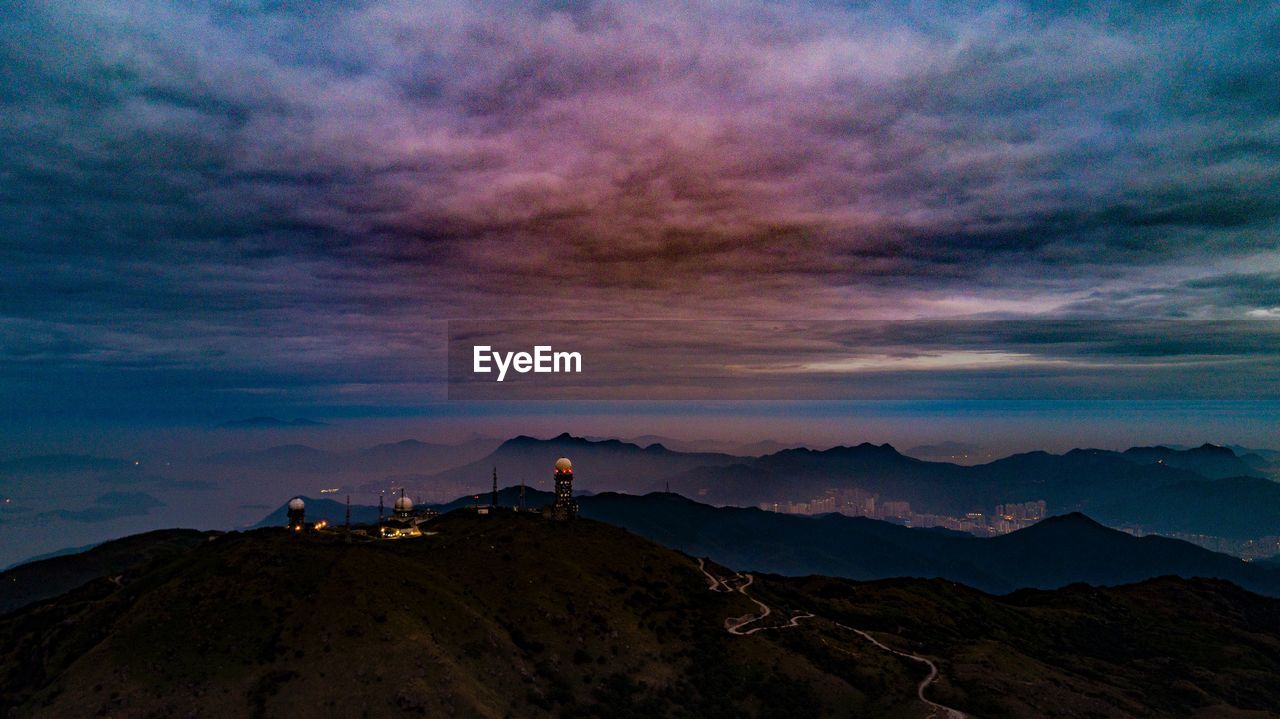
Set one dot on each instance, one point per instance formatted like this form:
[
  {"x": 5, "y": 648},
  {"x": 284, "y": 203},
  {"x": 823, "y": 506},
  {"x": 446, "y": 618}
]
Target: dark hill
[
  {"x": 1208, "y": 460},
  {"x": 1054, "y": 553},
  {"x": 505, "y": 615},
  {"x": 50, "y": 577},
  {"x": 509, "y": 615},
  {"x": 1158, "y": 488}
]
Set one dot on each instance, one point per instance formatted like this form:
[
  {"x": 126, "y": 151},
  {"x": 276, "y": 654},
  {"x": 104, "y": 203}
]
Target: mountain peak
[{"x": 1078, "y": 519}]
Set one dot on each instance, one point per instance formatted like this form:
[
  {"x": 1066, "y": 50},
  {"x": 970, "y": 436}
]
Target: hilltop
[{"x": 509, "y": 615}]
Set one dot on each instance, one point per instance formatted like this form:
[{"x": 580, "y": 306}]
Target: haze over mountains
[
  {"x": 1206, "y": 490},
  {"x": 1054, "y": 553},
  {"x": 387, "y": 457}
]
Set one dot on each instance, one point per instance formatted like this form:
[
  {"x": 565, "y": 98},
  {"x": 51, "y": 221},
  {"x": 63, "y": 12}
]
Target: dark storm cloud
[{"x": 281, "y": 199}]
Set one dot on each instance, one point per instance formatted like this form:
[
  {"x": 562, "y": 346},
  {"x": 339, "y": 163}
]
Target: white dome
[
  {"x": 296, "y": 504},
  {"x": 404, "y": 504},
  {"x": 563, "y": 464}
]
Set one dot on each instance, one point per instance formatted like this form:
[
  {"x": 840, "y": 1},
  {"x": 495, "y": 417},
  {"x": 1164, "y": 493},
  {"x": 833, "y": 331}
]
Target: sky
[{"x": 220, "y": 210}]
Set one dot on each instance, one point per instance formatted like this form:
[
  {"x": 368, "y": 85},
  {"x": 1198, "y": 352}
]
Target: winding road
[
  {"x": 739, "y": 583},
  {"x": 947, "y": 712}
]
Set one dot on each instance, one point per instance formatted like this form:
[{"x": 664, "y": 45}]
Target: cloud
[
  {"x": 1237, "y": 294},
  {"x": 1041, "y": 358},
  {"x": 231, "y": 199}
]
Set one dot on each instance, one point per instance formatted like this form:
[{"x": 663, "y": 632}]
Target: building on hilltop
[
  {"x": 405, "y": 521},
  {"x": 297, "y": 511},
  {"x": 564, "y": 508}
]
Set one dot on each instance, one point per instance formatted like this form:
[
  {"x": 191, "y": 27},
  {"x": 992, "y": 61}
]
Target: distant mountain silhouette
[
  {"x": 1158, "y": 489},
  {"x": 949, "y": 451},
  {"x": 1053, "y": 553},
  {"x": 1056, "y": 552},
  {"x": 598, "y": 465},
  {"x": 403, "y": 456},
  {"x": 1208, "y": 460},
  {"x": 742, "y": 449},
  {"x": 1116, "y": 488}
]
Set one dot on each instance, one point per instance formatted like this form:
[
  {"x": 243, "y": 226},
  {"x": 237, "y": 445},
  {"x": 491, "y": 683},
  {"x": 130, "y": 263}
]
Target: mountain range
[
  {"x": 1203, "y": 490},
  {"x": 1054, "y": 553},
  {"x": 408, "y": 455},
  {"x": 599, "y": 465}
]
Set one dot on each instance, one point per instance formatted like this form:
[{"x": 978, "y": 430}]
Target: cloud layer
[{"x": 287, "y": 198}]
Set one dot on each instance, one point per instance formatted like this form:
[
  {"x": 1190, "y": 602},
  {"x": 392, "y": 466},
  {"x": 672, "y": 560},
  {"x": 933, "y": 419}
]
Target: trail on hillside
[{"x": 739, "y": 583}]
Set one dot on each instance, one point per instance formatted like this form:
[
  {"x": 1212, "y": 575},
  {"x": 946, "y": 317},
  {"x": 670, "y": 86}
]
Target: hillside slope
[
  {"x": 52, "y": 576},
  {"x": 1053, "y": 553},
  {"x": 509, "y": 615}
]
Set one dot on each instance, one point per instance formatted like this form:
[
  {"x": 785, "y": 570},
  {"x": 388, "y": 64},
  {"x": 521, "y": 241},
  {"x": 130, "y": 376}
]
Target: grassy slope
[
  {"x": 510, "y": 616},
  {"x": 513, "y": 616},
  {"x": 47, "y": 578},
  {"x": 1160, "y": 648}
]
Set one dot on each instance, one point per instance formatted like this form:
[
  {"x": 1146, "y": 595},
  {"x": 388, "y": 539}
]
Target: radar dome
[
  {"x": 563, "y": 464},
  {"x": 296, "y": 504},
  {"x": 404, "y": 504}
]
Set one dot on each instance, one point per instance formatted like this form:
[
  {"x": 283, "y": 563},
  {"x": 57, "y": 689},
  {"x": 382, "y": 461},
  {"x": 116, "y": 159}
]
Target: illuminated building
[
  {"x": 404, "y": 520},
  {"x": 564, "y": 508}
]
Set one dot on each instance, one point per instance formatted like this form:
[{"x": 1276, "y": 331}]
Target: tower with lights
[{"x": 564, "y": 508}]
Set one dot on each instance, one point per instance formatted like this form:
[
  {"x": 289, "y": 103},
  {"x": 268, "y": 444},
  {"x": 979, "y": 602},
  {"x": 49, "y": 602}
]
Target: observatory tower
[
  {"x": 403, "y": 508},
  {"x": 564, "y": 508},
  {"x": 297, "y": 511}
]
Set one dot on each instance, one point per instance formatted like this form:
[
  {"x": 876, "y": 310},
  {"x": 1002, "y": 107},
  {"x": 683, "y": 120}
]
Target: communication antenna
[{"x": 348, "y": 523}]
